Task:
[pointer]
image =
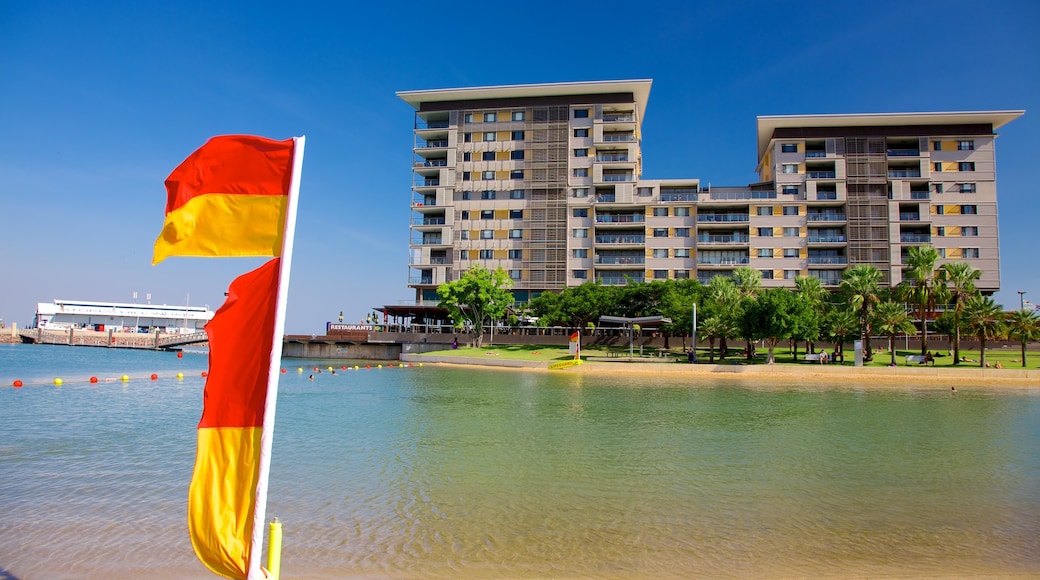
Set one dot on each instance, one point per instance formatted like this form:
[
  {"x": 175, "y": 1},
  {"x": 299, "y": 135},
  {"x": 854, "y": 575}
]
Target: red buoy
[
  {"x": 154, "y": 376},
  {"x": 93, "y": 379},
  {"x": 180, "y": 354},
  {"x": 205, "y": 374},
  {"x": 17, "y": 384},
  {"x": 283, "y": 371}
]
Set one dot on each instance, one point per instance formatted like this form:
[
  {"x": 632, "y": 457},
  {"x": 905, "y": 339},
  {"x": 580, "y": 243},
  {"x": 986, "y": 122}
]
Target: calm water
[{"x": 431, "y": 472}]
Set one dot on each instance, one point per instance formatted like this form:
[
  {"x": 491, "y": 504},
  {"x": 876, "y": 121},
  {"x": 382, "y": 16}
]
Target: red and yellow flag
[
  {"x": 222, "y": 495},
  {"x": 228, "y": 198}
]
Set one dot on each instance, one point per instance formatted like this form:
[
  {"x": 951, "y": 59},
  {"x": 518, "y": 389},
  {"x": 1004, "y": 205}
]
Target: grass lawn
[{"x": 1009, "y": 358}]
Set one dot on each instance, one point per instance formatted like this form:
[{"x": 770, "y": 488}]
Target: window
[
  {"x": 791, "y": 232},
  {"x": 660, "y": 211},
  {"x": 487, "y": 214},
  {"x": 790, "y": 210},
  {"x": 467, "y": 137},
  {"x": 518, "y": 115},
  {"x": 790, "y": 274},
  {"x": 790, "y": 252},
  {"x": 965, "y": 146},
  {"x": 942, "y": 252},
  {"x": 465, "y": 177},
  {"x": 765, "y": 232},
  {"x": 660, "y": 232},
  {"x": 765, "y": 210},
  {"x": 644, "y": 191},
  {"x": 464, "y": 254},
  {"x": 766, "y": 274},
  {"x": 516, "y": 214},
  {"x": 660, "y": 253},
  {"x": 581, "y": 212},
  {"x": 581, "y": 172},
  {"x": 490, "y": 117},
  {"x": 487, "y": 194},
  {"x": 581, "y": 113},
  {"x": 464, "y": 235},
  {"x": 790, "y": 190},
  {"x": 970, "y": 252},
  {"x": 515, "y": 274},
  {"x": 970, "y": 231},
  {"x": 580, "y": 232},
  {"x": 682, "y": 252},
  {"x": 966, "y": 166},
  {"x": 581, "y": 152},
  {"x": 486, "y": 254},
  {"x": 682, "y": 211},
  {"x": 581, "y": 132},
  {"x": 682, "y": 274},
  {"x": 487, "y": 174},
  {"x": 580, "y": 274},
  {"x": 967, "y": 187},
  {"x": 580, "y": 253},
  {"x": 489, "y": 136},
  {"x": 660, "y": 274},
  {"x": 469, "y": 117},
  {"x": 467, "y": 156},
  {"x": 938, "y": 188},
  {"x": 516, "y": 194},
  {"x": 516, "y": 234},
  {"x": 765, "y": 252},
  {"x": 940, "y": 231},
  {"x": 466, "y": 195},
  {"x": 465, "y": 214},
  {"x": 937, "y": 167},
  {"x": 517, "y": 155},
  {"x": 790, "y": 167},
  {"x": 581, "y": 192},
  {"x": 487, "y": 234},
  {"x": 487, "y": 156},
  {"x": 936, "y": 145},
  {"x": 518, "y": 135},
  {"x": 969, "y": 209},
  {"x": 789, "y": 148},
  {"x": 940, "y": 210},
  {"x": 682, "y": 232},
  {"x": 516, "y": 174},
  {"x": 515, "y": 254}
]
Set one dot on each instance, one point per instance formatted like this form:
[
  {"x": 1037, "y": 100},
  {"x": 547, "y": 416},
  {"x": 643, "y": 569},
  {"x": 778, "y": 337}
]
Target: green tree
[
  {"x": 480, "y": 296},
  {"x": 860, "y": 285},
  {"x": 575, "y": 306},
  {"x": 749, "y": 282},
  {"x": 677, "y": 304},
  {"x": 723, "y": 301},
  {"x": 959, "y": 278},
  {"x": 890, "y": 319},
  {"x": 770, "y": 316},
  {"x": 922, "y": 285},
  {"x": 811, "y": 294},
  {"x": 984, "y": 319},
  {"x": 841, "y": 324},
  {"x": 711, "y": 328},
  {"x": 1023, "y": 326}
]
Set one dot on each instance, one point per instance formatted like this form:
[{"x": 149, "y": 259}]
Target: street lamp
[{"x": 1021, "y": 301}]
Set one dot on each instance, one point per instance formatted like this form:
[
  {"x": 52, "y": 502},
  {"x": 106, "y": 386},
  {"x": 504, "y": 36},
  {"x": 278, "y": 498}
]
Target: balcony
[
  {"x": 620, "y": 260},
  {"x": 727, "y": 195},
  {"x": 604, "y": 198},
  {"x": 620, "y": 218},
  {"x": 678, "y": 195},
  {"x": 826, "y": 239},
  {"x": 611, "y": 157},
  {"x": 722, "y": 261},
  {"x": 722, "y": 217},
  {"x": 903, "y": 173},
  {"x": 618, "y": 118},
  {"x": 614, "y": 177},
  {"x": 420, "y": 281},
  {"x": 904, "y": 153},
  {"x": 915, "y": 238},
  {"x": 427, "y": 241},
  {"x": 827, "y": 260},
  {"x": 909, "y": 216},
  {"x": 431, "y": 162},
  {"x": 621, "y": 239},
  {"x": 826, "y": 195},
  {"x": 428, "y": 221},
  {"x": 825, "y": 216},
  {"x": 815, "y": 154},
  {"x": 922, "y": 194},
  {"x": 618, "y": 137},
  {"x": 621, "y": 280},
  {"x": 426, "y": 182},
  {"x": 826, "y": 277},
  {"x": 708, "y": 239},
  {"x": 438, "y": 144},
  {"x": 819, "y": 174}
]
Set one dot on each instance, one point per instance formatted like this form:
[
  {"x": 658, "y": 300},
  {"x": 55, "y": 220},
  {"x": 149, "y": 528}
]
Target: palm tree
[
  {"x": 841, "y": 324},
  {"x": 860, "y": 284},
  {"x": 890, "y": 319},
  {"x": 960, "y": 278},
  {"x": 1023, "y": 326},
  {"x": 712, "y": 327},
  {"x": 812, "y": 293},
  {"x": 749, "y": 282},
  {"x": 984, "y": 319},
  {"x": 724, "y": 298},
  {"x": 921, "y": 285}
]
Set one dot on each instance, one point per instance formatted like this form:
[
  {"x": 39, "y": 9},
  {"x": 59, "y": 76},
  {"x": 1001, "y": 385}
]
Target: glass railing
[
  {"x": 920, "y": 195},
  {"x": 613, "y": 118},
  {"x": 826, "y": 278},
  {"x": 420, "y": 280},
  {"x": 621, "y": 239},
  {"x": 426, "y": 182},
  {"x": 915, "y": 238},
  {"x": 428, "y": 221},
  {"x": 679, "y": 196},
  {"x": 825, "y": 217},
  {"x": 427, "y": 241},
  {"x": 904, "y": 153},
  {"x": 619, "y": 218},
  {"x": 742, "y": 195},
  {"x": 910, "y": 217},
  {"x": 611, "y": 198},
  {"x": 620, "y": 260},
  {"x": 820, "y": 174},
  {"x": 827, "y": 260},
  {"x": 432, "y": 144},
  {"x": 607, "y": 157},
  {"x": 826, "y": 195},
  {"x": 702, "y": 239},
  {"x": 432, "y": 162},
  {"x": 897, "y": 173},
  {"x": 618, "y": 281},
  {"x": 618, "y": 177},
  {"x": 423, "y": 124},
  {"x": 615, "y": 138},
  {"x": 721, "y": 261},
  {"x": 812, "y": 154},
  {"x": 826, "y": 239},
  {"x": 722, "y": 217}
]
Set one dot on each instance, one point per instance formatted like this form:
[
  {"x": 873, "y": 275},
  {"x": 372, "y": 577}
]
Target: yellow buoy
[
  {"x": 180, "y": 376},
  {"x": 299, "y": 369},
  {"x": 329, "y": 369},
  {"x": 420, "y": 364},
  {"x": 58, "y": 382},
  {"x": 124, "y": 378},
  {"x": 355, "y": 367},
  {"x": 380, "y": 366}
]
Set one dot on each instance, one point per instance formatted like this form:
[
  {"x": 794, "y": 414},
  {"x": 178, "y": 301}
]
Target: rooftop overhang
[
  {"x": 767, "y": 125},
  {"x": 640, "y": 320},
  {"x": 639, "y": 88}
]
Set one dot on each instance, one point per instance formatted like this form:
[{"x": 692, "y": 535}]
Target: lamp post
[
  {"x": 1021, "y": 300},
  {"x": 693, "y": 333}
]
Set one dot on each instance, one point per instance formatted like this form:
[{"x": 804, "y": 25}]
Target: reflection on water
[{"x": 432, "y": 472}]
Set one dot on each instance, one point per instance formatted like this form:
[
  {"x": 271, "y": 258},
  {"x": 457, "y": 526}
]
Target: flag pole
[{"x": 267, "y": 434}]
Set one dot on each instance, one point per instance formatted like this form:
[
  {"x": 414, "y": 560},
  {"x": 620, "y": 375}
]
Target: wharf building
[{"x": 546, "y": 182}]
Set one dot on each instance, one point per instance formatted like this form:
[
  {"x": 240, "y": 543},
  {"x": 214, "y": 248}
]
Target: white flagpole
[{"x": 266, "y": 436}]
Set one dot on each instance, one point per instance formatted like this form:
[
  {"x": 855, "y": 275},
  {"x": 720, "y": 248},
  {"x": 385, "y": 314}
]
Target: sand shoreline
[{"x": 909, "y": 376}]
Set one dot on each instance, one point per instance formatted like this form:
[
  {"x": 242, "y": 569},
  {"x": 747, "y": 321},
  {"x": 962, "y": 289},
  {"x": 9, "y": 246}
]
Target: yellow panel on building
[
  {"x": 503, "y": 136},
  {"x": 501, "y": 234},
  {"x": 953, "y": 253},
  {"x": 934, "y": 210},
  {"x": 778, "y": 210},
  {"x": 474, "y": 234},
  {"x": 753, "y": 233},
  {"x": 949, "y": 145},
  {"x": 778, "y": 232},
  {"x": 801, "y": 169},
  {"x": 803, "y": 253},
  {"x": 778, "y": 252},
  {"x": 500, "y": 254},
  {"x": 503, "y": 174},
  {"x": 778, "y": 274},
  {"x": 501, "y": 214},
  {"x": 953, "y": 230},
  {"x": 949, "y": 166},
  {"x": 802, "y": 210},
  {"x": 952, "y": 209},
  {"x": 501, "y": 156}
]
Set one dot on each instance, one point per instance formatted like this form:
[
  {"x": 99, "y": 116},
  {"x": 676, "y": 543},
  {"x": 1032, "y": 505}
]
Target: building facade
[
  {"x": 545, "y": 181},
  {"x": 120, "y": 317}
]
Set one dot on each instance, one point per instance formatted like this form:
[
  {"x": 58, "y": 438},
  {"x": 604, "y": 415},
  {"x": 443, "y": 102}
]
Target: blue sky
[{"x": 101, "y": 100}]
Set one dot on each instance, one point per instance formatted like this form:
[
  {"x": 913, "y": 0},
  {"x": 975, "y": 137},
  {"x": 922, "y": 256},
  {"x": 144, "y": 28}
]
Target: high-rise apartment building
[{"x": 545, "y": 181}]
